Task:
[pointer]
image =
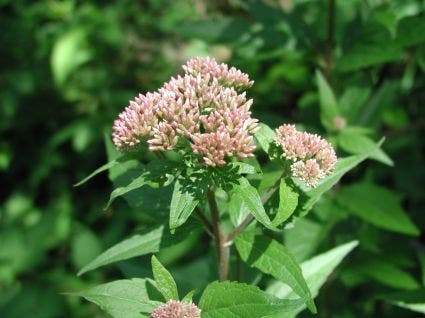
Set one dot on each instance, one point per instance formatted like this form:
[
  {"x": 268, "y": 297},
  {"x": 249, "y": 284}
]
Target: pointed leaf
[
  {"x": 105, "y": 167},
  {"x": 265, "y": 136},
  {"x": 182, "y": 205},
  {"x": 378, "y": 206},
  {"x": 136, "y": 245},
  {"x": 328, "y": 105},
  {"x": 273, "y": 258},
  {"x": 123, "y": 298},
  {"x": 164, "y": 281},
  {"x": 356, "y": 143},
  {"x": 188, "y": 297},
  {"x": 252, "y": 199},
  {"x": 316, "y": 270},
  {"x": 342, "y": 166},
  {"x": 234, "y": 300},
  {"x": 158, "y": 172},
  {"x": 413, "y": 300},
  {"x": 288, "y": 201}
]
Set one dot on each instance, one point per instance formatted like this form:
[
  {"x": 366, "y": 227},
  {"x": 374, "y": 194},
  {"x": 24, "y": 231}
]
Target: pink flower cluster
[
  {"x": 176, "y": 309},
  {"x": 312, "y": 156},
  {"x": 203, "y": 106}
]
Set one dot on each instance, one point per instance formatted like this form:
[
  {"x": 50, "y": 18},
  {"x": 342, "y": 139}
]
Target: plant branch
[
  {"x": 208, "y": 226},
  {"x": 264, "y": 198},
  {"x": 223, "y": 251}
]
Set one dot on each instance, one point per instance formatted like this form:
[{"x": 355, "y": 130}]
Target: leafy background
[{"x": 68, "y": 67}]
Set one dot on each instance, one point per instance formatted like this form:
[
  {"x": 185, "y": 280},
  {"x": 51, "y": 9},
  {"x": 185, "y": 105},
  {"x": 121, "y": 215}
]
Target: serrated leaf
[
  {"x": 288, "y": 201},
  {"x": 244, "y": 168},
  {"x": 164, "y": 281},
  {"x": 252, "y": 199},
  {"x": 378, "y": 206},
  {"x": 265, "y": 136},
  {"x": 328, "y": 105},
  {"x": 158, "y": 172},
  {"x": 151, "y": 241},
  {"x": 316, "y": 270},
  {"x": 235, "y": 300},
  {"x": 136, "y": 245},
  {"x": 182, "y": 205},
  {"x": 238, "y": 210},
  {"x": 273, "y": 258},
  {"x": 123, "y": 298},
  {"x": 356, "y": 143}
]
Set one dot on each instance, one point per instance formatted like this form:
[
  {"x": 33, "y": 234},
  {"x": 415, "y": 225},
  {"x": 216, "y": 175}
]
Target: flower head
[
  {"x": 312, "y": 157},
  {"x": 202, "y": 106},
  {"x": 176, "y": 309},
  {"x": 135, "y": 122},
  {"x": 209, "y": 66}
]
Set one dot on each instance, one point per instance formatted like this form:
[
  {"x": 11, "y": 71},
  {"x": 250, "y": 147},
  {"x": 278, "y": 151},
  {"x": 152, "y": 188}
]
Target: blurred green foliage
[{"x": 68, "y": 67}]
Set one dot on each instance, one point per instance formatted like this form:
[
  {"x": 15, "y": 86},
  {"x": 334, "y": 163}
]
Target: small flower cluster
[
  {"x": 203, "y": 106},
  {"x": 176, "y": 309},
  {"x": 312, "y": 156}
]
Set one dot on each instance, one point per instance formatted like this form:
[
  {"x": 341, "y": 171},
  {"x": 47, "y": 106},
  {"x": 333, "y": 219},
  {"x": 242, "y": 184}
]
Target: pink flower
[
  {"x": 202, "y": 107},
  {"x": 209, "y": 66},
  {"x": 176, "y": 309},
  {"x": 136, "y": 122},
  {"x": 312, "y": 156}
]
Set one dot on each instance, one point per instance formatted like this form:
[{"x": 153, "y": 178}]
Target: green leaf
[
  {"x": 158, "y": 172},
  {"x": 136, "y": 245},
  {"x": 356, "y": 143},
  {"x": 188, "y": 297},
  {"x": 365, "y": 55},
  {"x": 407, "y": 31},
  {"x": 150, "y": 241},
  {"x": 304, "y": 237},
  {"x": 252, "y": 199},
  {"x": 105, "y": 167},
  {"x": 328, "y": 105},
  {"x": 123, "y": 298},
  {"x": 69, "y": 52},
  {"x": 273, "y": 258},
  {"x": 237, "y": 208},
  {"x": 421, "y": 256},
  {"x": 288, "y": 201},
  {"x": 234, "y": 300},
  {"x": 265, "y": 136},
  {"x": 316, "y": 270},
  {"x": 342, "y": 167},
  {"x": 182, "y": 205},
  {"x": 413, "y": 300},
  {"x": 244, "y": 168},
  {"x": 378, "y": 206},
  {"x": 164, "y": 281},
  {"x": 387, "y": 274}
]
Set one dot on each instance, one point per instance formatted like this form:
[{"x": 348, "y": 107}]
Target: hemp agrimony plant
[{"x": 237, "y": 180}]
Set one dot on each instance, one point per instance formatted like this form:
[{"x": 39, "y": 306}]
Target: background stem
[{"x": 330, "y": 40}]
